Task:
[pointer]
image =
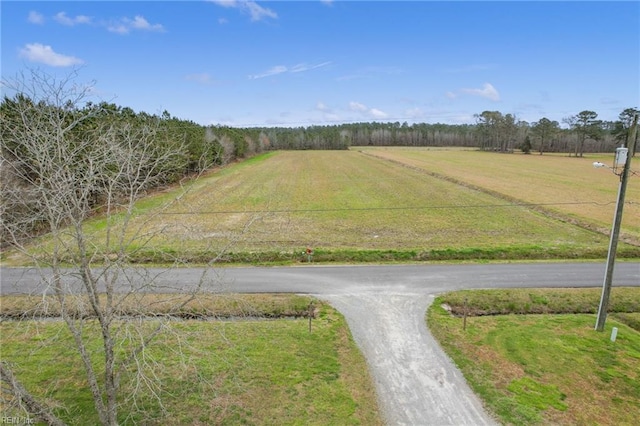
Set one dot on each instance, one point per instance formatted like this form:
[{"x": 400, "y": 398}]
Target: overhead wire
[{"x": 355, "y": 209}]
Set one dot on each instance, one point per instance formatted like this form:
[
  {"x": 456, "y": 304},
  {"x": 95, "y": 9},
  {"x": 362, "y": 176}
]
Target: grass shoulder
[
  {"x": 533, "y": 356},
  {"x": 236, "y": 370},
  {"x": 193, "y": 258}
]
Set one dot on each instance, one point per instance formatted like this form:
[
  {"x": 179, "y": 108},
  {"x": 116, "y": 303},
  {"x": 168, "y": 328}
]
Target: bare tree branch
[{"x": 24, "y": 399}]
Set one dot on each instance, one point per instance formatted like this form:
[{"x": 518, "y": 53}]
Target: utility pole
[{"x": 615, "y": 230}]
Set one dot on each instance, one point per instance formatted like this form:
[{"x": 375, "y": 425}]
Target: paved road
[
  {"x": 427, "y": 279},
  {"x": 385, "y": 306}
]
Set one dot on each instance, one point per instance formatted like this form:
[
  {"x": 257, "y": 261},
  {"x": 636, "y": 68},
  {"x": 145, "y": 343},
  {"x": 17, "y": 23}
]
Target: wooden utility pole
[{"x": 615, "y": 230}]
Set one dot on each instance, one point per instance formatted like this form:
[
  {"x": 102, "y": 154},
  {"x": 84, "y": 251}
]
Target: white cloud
[
  {"x": 126, "y": 25},
  {"x": 307, "y": 67},
  {"x": 366, "y": 111},
  {"x": 35, "y": 18},
  {"x": 118, "y": 28},
  {"x": 63, "y": 19},
  {"x": 139, "y": 23},
  {"x": 327, "y": 2},
  {"x": 281, "y": 69},
  {"x": 487, "y": 91},
  {"x": 328, "y": 114},
  {"x": 320, "y": 106},
  {"x": 258, "y": 12},
  {"x": 376, "y": 113},
  {"x": 357, "y": 106},
  {"x": 36, "y": 52},
  {"x": 253, "y": 9},
  {"x": 278, "y": 69},
  {"x": 414, "y": 113},
  {"x": 451, "y": 95},
  {"x": 225, "y": 3}
]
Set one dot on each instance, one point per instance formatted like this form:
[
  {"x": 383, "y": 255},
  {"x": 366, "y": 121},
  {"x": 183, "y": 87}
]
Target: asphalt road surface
[{"x": 384, "y": 306}]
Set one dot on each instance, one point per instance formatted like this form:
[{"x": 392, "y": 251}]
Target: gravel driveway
[{"x": 417, "y": 383}]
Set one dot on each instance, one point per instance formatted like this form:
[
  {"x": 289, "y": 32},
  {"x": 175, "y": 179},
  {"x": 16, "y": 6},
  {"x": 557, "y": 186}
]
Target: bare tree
[{"x": 63, "y": 166}]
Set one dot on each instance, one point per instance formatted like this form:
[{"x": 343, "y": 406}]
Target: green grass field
[
  {"x": 545, "y": 369},
  {"x": 355, "y": 206},
  {"x": 208, "y": 371}
]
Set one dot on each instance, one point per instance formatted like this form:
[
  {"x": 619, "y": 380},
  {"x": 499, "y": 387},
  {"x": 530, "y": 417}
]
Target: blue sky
[{"x": 300, "y": 63}]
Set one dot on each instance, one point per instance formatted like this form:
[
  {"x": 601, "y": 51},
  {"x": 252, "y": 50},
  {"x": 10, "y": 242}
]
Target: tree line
[
  {"x": 584, "y": 133},
  {"x": 492, "y": 131},
  {"x": 46, "y": 142},
  {"x": 50, "y": 137},
  {"x": 54, "y": 121}
]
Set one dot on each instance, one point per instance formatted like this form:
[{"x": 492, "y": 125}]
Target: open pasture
[
  {"x": 345, "y": 201},
  {"x": 570, "y": 187}
]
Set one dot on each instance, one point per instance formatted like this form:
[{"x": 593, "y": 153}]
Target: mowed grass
[
  {"x": 345, "y": 201},
  {"x": 350, "y": 206},
  {"x": 567, "y": 186},
  {"x": 545, "y": 369},
  {"x": 260, "y": 372}
]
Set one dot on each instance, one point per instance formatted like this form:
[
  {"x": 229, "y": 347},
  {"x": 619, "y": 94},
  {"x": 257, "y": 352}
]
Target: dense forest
[
  {"x": 60, "y": 137},
  {"x": 493, "y": 131}
]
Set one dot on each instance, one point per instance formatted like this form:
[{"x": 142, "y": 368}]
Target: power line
[{"x": 351, "y": 209}]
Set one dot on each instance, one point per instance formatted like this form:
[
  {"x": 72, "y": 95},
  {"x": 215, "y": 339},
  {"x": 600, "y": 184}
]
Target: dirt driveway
[{"x": 417, "y": 384}]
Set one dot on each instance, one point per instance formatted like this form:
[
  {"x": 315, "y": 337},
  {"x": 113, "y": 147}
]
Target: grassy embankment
[
  {"x": 352, "y": 207},
  {"x": 545, "y": 369},
  {"x": 207, "y": 372}
]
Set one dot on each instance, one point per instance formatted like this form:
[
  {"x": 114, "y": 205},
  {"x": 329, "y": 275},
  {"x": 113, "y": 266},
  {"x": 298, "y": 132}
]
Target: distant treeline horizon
[
  {"x": 34, "y": 128},
  {"x": 493, "y": 131}
]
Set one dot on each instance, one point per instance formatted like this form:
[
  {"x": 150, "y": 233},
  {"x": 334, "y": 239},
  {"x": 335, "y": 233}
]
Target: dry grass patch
[
  {"x": 207, "y": 305},
  {"x": 540, "y": 301},
  {"x": 568, "y": 186}
]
